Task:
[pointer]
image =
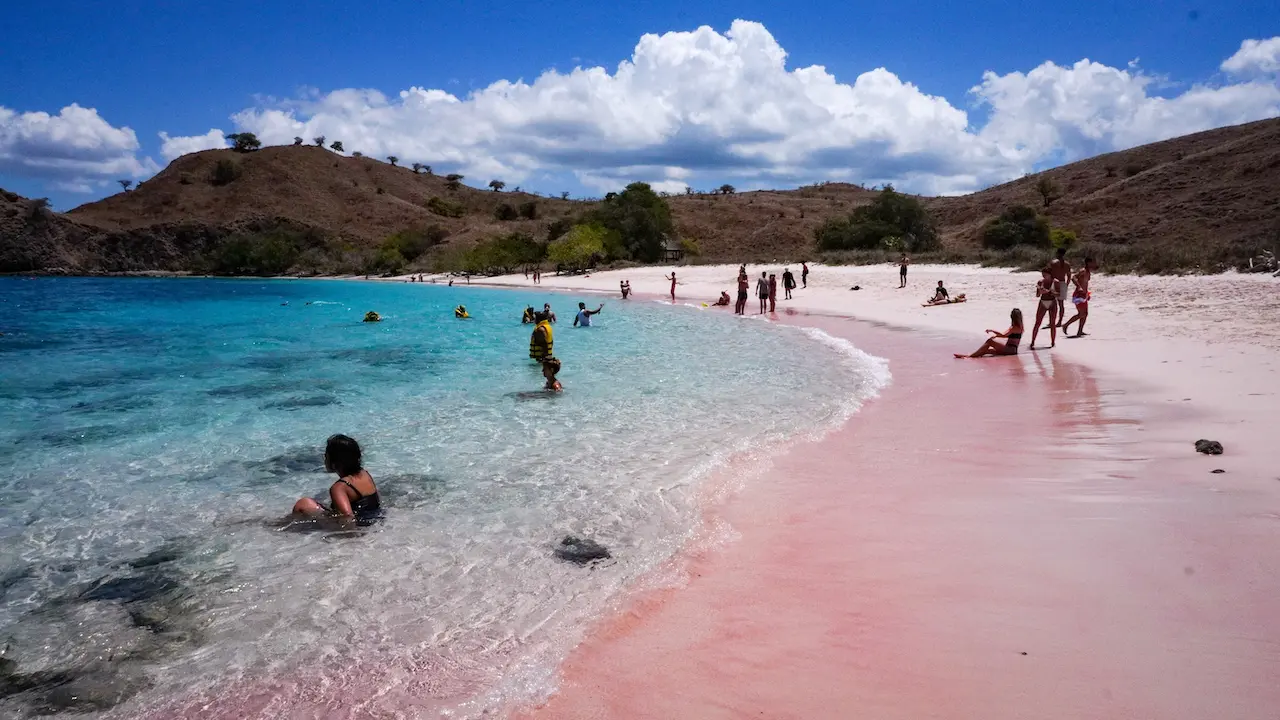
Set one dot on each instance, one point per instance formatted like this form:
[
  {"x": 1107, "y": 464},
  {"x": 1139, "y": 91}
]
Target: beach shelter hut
[{"x": 671, "y": 250}]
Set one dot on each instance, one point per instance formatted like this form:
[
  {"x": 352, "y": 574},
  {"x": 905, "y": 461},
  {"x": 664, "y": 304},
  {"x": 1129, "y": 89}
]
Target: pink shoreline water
[{"x": 989, "y": 539}]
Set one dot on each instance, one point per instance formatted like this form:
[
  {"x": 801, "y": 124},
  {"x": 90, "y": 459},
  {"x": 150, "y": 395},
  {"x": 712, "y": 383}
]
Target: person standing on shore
[
  {"x": 542, "y": 341},
  {"x": 1080, "y": 297},
  {"x": 804, "y": 274},
  {"x": 743, "y": 286},
  {"x": 1060, "y": 269},
  {"x": 1046, "y": 302},
  {"x": 993, "y": 346},
  {"x": 773, "y": 293},
  {"x": 625, "y": 287},
  {"x": 902, "y": 271},
  {"x": 762, "y": 291},
  {"x": 788, "y": 281}
]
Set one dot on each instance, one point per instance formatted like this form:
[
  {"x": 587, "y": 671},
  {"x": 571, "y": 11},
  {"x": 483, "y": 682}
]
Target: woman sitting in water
[
  {"x": 354, "y": 494},
  {"x": 993, "y": 346},
  {"x": 551, "y": 366}
]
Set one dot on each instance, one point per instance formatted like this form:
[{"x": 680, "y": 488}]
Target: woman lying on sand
[
  {"x": 1012, "y": 337},
  {"x": 354, "y": 495}
]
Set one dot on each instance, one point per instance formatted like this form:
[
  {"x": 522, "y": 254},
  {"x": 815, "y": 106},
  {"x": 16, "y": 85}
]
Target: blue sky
[{"x": 186, "y": 68}]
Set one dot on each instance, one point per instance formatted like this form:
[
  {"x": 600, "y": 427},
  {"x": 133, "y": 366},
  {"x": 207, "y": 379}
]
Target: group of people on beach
[
  {"x": 1051, "y": 292},
  {"x": 766, "y": 289}
]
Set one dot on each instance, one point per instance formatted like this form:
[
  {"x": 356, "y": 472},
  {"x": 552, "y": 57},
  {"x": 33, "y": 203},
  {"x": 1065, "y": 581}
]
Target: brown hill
[{"x": 1202, "y": 201}]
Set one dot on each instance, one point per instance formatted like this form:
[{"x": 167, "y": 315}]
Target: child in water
[
  {"x": 354, "y": 494},
  {"x": 551, "y": 366}
]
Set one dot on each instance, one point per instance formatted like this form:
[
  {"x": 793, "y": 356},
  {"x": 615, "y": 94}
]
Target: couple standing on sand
[
  {"x": 766, "y": 289},
  {"x": 1049, "y": 292}
]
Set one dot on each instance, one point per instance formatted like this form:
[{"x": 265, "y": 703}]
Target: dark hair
[
  {"x": 1062, "y": 251},
  {"x": 1015, "y": 317},
  {"x": 540, "y": 316},
  {"x": 1088, "y": 260},
  {"x": 342, "y": 455},
  {"x": 582, "y": 305}
]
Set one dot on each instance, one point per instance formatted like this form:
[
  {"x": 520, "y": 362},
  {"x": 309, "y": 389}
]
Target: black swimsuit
[{"x": 365, "y": 507}]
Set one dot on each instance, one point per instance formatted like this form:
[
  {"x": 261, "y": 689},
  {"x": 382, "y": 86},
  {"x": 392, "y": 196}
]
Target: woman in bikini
[
  {"x": 1011, "y": 338},
  {"x": 1047, "y": 297},
  {"x": 354, "y": 495}
]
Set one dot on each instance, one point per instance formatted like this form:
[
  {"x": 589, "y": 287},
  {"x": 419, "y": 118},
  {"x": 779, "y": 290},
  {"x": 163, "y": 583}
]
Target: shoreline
[{"x": 655, "y": 658}]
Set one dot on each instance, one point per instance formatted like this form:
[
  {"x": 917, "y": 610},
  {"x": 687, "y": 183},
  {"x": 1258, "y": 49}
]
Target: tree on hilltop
[
  {"x": 497, "y": 185},
  {"x": 336, "y": 146},
  {"x": 357, "y": 154},
  {"x": 417, "y": 168},
  {"x": 688, "y": 190},
  {"x": 426, "y": 169},
  {"x": 393, "y": 160},
  {"x": 319, "y": 141},
  {"x": 297, "y": 141},
  {"x": 453, "y": 181},
  {"x": 564, "y": 195},
  {"x": 885, "y": 223},
  {"x": 244, "y": 142},
  {"x": 1048, "y": 190},
  {"x": 126, "y": 184},
  {"x": 727, "y": 189}
]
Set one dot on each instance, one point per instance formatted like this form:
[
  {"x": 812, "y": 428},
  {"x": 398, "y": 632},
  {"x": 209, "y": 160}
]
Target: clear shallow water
[{"x": 153, "y": 431}]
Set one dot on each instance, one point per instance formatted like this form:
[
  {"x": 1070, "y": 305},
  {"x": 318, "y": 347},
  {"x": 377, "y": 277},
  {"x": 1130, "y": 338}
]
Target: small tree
[
  {"x": 426, "y": 169},
  {"x": 336, "y": 146},
  {"x": 244, "y": 142},
  {"x": 1111, "y": 170},
  {"x": 453, "y": 181},
  {"x": 225, "y": 172},
  {"x": 393, "y": 160},
  {"x": 688, "y": 190},
  {"x": 496, "y": 185},
  {"x": 564, "y": 195},
  {"x": 1017, "y": 225},
  {"x": 38, "y": 209},
  {"x": 297, "y": 141},
  {"x": 727, "y": 189},
  {"x": 357, "y": 154},
  {"x": 505, "y": 212},
  {"x": 417, "y": 168},
  {"x": 319, "y": 141},
  {"x": 576, "y": 249},
  {"x": 126, "y": 184},
  {"x": 1048, "y": 190},
  {"x": 1062, "y": 238}
]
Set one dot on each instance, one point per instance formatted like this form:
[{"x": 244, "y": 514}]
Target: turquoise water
[{"x": 154, "y": 432}]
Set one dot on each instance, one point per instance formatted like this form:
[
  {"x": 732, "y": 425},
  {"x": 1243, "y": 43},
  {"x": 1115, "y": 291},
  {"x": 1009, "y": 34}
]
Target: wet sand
[{"x": 1002, "y": 538}]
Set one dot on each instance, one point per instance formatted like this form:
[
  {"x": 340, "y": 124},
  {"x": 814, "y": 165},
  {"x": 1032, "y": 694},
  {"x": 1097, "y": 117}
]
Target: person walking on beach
[
  {"x": 584, "y": 315},
  {"x": 542, "y": 341},
  {"x": 673, "y": 285},
  {"x": 773, "y": 293},
  {"x": 788, "y": 281},
  {"x": 1046, "y": 302},
  {"x": 993, "y": 346},
  {"x": 1080, "y": 298},
  {"x": 625, "y": 287},
  {"x": 804, "y": 274},
  {"x": 762, "y": 291},
  {"x": 902, "y": 271},
  {"x": 744, "y": 285},
  {"x": 1060, "y": 269}
]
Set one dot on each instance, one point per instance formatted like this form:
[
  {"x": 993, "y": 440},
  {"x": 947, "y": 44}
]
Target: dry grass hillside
[{"x": 1205, "y": 201}]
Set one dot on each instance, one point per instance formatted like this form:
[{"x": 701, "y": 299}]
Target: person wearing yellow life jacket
[
  {"x": 528, "y": 315},
  {"x": 372, "y": 316},
  {"x": 460, "y": 312},
  {"x": 542, "y": 341}
]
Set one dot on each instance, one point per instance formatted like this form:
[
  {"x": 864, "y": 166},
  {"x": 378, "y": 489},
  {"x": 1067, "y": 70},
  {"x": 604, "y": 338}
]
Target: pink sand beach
[{"x": 1032, "y": 536}]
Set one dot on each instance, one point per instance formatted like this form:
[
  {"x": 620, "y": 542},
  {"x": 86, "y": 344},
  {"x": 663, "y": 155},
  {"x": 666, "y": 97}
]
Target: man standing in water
[
  {"x": 584, "y": 315},
  {"x": 546, "y": 310},
  {"x": 743, "y": 286},
  {"x": 788, "y": 282},
  {"x": 1080, "y": 297},
  {"x": 762, "y": 291},
  {"x": 902, "y": 271},
  {"x": 1060, "y": 270},
  {"x": 541, "y": 342}
]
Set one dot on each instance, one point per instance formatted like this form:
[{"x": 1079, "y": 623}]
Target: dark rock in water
[
  {"x": 298, "y": 460},
  {"x": 131, "y": 589},
  {"x": 1209, "y": 447},
  {"x": 166, "y": 553},
  {"x": 299, "y": 403},
  {"x": 97, "y": 691},
  {"x": 580, "y": 550}
]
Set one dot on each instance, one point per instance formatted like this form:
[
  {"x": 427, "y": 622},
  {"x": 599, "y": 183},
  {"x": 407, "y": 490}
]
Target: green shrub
[
  {"x": 505, "y": 212},
  {"x": 639, "y": 217},
  {"x": 411, "y": 244},
  {"x": 529, "y": 210},
  {"x": 1062, "y": 238},
  {"x": 1133, "y": 168},
  {"x": 690, "y": 247},
  {"x": 225, "y": 172},
  {"x": 890, "y": 215},
  {"x": 446, "y": 208},
  {"x": 1017, "y": 225},
  {"x": 579, "y": 247}
]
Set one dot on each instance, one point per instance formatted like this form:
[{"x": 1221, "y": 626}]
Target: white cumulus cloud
[
  {"x": 704, "y": 106},
  {"x": 1255, "y": 56},
  {"x": 75, "y": 149},
  {"x": 173, "y": 147}
]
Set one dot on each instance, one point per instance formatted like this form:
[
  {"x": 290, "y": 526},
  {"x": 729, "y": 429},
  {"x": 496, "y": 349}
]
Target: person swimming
[
  {"x": 354, "y": 495},
  {"x": 583, "y": 317},
  {"x": 460, "y": 312},
  {"x": 528, "y": 316},
  {"x": 372, "y": 316}
]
